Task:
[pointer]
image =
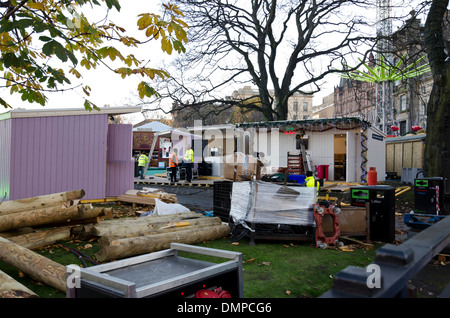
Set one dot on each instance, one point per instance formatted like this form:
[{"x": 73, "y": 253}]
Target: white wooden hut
[{"x": 346, "y": 147}]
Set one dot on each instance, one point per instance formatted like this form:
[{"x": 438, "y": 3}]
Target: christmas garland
[{"x": 313, "y": 125}]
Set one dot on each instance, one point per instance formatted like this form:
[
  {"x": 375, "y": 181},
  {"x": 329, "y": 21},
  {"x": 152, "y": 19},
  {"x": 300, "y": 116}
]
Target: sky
[{"x": 109, "y": 88}]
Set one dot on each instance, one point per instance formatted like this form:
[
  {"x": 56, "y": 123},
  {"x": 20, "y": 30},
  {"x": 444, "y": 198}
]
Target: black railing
[{"x": 393, "y": 266}]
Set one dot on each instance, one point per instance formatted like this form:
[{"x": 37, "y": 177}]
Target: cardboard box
[{"x": 244, "y": 165}]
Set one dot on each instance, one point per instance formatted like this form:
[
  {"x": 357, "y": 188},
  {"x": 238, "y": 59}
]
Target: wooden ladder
[{"x": 307, "y": 164}]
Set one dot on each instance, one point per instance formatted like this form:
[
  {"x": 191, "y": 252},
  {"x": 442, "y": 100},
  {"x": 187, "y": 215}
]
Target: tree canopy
[
  {"x": 45, "y": 44},
  {"x": 437, "y": 143},
  {"x": 282, "y": 47}
]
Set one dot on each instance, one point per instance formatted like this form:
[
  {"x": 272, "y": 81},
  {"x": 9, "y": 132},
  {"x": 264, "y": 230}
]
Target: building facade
[
  {"x": 407, "y": 99},
  {"x": 299, "y": 105},
  {"x": 326, "y": 109}
]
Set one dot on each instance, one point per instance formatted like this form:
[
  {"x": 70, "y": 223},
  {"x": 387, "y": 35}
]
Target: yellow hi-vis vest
[
  {"x": 189, "y": 155},
  {"x": 310, "y": 182},
  {"x": 142, "y": 161}
]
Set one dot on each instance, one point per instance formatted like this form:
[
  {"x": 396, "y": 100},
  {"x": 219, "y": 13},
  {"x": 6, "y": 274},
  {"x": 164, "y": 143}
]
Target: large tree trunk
[
  {"x": 106, "y": 241},
  {"x": 35, "y": 265},
  {"x": 437, "y": 144},
  {"x": 47, "y": 216},
  {"x": 121, "y": 227},
  {"x": 9, "y": 288},
  {"x": 126, "y": 247},
  {"x": 42, "y": 238},
  {"x": 39, "y": 202}
]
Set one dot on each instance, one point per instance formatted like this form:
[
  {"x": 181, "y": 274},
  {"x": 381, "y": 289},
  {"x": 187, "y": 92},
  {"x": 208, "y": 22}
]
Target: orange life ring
[{"x": 321, "y": 239}]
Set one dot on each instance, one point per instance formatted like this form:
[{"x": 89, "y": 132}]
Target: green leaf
[
  {"x": 72, "y": 57},
  {"x": 146, "y": 91},
  {"x": 90, "y": 106},
  {"x": 87, "y": 105},
  {"x": 111, "y": 3},
  {"x": 44, "y": 38},
  {"x": 22, "y": 24},
  {"x": 60, "y": 52},
  {"x": 48, "y": 48},
  {"x": 4, "y": 103}
]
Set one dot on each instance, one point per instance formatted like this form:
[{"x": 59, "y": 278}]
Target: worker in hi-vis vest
[
  {"x": 310, "y": 181},
  {"x": 173, "y": 163},
  {"x": 142, "y": 164},
  {"x": 188, "y": 162}
]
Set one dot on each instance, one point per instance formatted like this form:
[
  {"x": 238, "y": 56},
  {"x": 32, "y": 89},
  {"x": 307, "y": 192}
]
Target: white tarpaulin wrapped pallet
[{"x": 265, "y": 202}]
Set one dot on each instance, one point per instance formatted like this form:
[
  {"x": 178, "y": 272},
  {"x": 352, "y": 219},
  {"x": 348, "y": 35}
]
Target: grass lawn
[
  {"x": 270, "y": 269},
  {"x": 290, "y": 270}
]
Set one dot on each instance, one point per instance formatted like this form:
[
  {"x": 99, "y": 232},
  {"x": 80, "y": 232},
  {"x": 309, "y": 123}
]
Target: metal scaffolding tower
[{"x": 384, "y": 90}]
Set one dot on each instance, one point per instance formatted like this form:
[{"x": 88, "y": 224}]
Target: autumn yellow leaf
[
  {"x": 35, "y": 5},
  {"x": 67, "y": 35},
  {"x": 75, "y": 72}
]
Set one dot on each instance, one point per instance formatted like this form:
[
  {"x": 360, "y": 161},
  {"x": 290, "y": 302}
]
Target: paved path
[{"x": 196, "y": 198}]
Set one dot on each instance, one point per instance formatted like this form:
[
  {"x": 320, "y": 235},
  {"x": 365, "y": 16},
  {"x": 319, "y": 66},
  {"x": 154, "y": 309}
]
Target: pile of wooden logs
[
  {"x": 122, "y": 238},
  {"x": 21, "y": 231},
  {"x": 54, "y": 211},
  {"x": 40, "y": 221},
  {"x": 147, "y": 196}
]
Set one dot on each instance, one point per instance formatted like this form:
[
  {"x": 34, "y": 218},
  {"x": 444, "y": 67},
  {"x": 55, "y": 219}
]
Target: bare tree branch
[{"x": 280, "y": 46}]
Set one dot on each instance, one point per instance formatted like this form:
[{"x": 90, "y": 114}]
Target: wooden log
[
  {"x": 150, "y": 243},
  {"x": 47, "y": 216},
  {"x": 148, "y": 228},
  {"x": 136, "y": 199},
  {"x": 110, "y": 227},
  {"x": 42, "y": 238},
  {"x": 10, "y": 288},
  {"x": 33, "y": 264},
  {"x": 83, "y": 232},
  {"x": 153, "y": 218},
  {"x": 133, "y": 229},
  {"x": 21, "y": 231},
  {"x": 39, "y": 202},
  {"x": 71, "y": 222},
  {"x": 159, "y": 228},
  {"x": 88, "y": 215},
  {"x": 152, "y": 193},
  {"x": 36, "y": 217}
]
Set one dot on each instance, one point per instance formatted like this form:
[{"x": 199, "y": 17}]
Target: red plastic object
[
  {"x": 372, "y": 180},
  {"x": 222, "y": 293},
  {"x": 206, "y": 293},
  {"x": 216, "y": 293},
  {"x": 322, "y": 171}
]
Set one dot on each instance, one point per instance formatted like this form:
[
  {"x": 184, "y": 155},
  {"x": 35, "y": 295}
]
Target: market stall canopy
[
  {"x": 178, "y": 132},
  {"x": 154, "y": 126}
]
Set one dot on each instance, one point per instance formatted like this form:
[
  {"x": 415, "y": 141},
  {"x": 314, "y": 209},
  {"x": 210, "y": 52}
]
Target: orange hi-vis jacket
[{"x": 173, "y": 161}]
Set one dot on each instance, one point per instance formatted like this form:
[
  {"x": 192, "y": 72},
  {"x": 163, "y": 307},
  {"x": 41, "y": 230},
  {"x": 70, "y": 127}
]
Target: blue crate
[{"x": 299, "y": 178}]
